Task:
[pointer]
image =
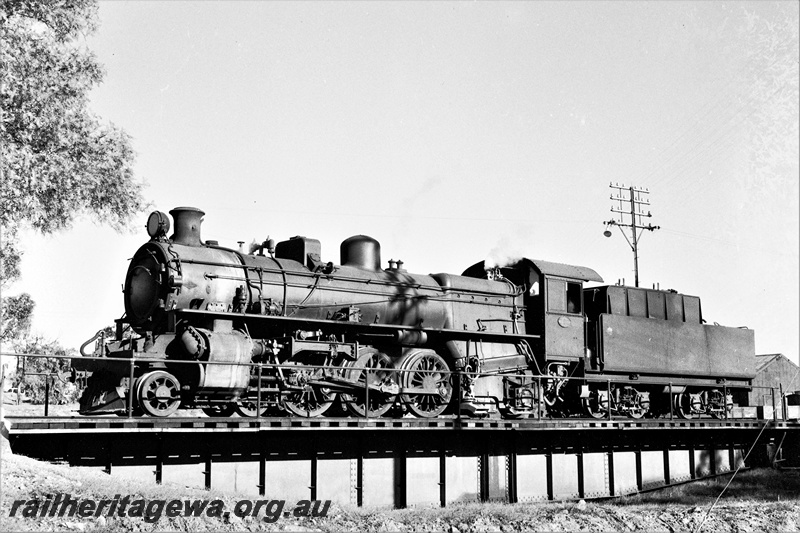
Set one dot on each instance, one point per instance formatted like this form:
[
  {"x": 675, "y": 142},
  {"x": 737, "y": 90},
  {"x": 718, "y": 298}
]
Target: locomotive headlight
[{"x": 157, "y": 224}]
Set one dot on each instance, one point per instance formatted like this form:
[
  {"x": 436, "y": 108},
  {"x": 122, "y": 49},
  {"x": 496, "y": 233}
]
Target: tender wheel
[
  {"x": 636, "y": 403},
  {"x": 683, "y": 406},
  {"x": 719, "y": 406},
  {"x": 383, "y": 375},
  {"x": 159, "y": 393},
  {"x": 426, "y": 371},
  {"x": 220, "y": 410},
  {"x": 596, "y": 405},
  {"x": 636, "y": 412},
  {"x": 312, "y": 400}
]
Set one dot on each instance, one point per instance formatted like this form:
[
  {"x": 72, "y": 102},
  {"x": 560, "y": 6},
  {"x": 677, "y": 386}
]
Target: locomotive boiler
[{"x": 277, "y": 329}]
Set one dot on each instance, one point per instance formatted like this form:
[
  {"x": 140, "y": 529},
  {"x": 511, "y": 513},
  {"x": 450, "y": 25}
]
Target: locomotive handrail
[
  {"x": 451, "y": 333},
  {"x": 295, "y": 365},
  {"x": 779, "y": 397},
  {"x": 361, "y": 291},
  {"x": 266, "y": 365},
  {"x": 311, "y": 274}
]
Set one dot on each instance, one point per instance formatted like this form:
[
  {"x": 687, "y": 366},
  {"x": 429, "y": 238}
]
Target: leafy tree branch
[{"x": 58, "y": 160}]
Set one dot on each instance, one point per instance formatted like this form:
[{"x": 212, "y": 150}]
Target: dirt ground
[{"x": 761, "y": 500}]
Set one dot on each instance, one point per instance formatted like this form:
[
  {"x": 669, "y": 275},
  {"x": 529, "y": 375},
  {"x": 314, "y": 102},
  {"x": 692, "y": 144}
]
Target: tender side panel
[
  {"x": 732, "y": 348},
  {"x": 648, "y": 346}
]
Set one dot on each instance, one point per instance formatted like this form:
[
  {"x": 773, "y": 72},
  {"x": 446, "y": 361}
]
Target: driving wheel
[{"x": 373, "y": 367}]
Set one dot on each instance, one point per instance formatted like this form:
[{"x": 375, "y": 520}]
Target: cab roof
[
  {"x": 565, "y": 271},
  {"x": 547, "y": 268}
]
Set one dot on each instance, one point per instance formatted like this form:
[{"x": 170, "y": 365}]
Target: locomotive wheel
[
  {"x": 220, "y": 410},
  {"x": 637, "y": 407},
  {"x": 427, "y": 370},
  {"x": 312, "y": 400},
  {"x": 247, "y": 408},
  {"x": 683, "y": 406},
  {"x": 379, "y": 403},
  {"x": 595, "y": 405},
  {"x": 636, "y": 412},
  {"x": 159, "y": 393},
  {"x": 715, "y": 400}
]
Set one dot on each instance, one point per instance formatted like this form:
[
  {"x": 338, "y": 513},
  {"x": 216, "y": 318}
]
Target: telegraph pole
[{"x": 634, "y": 196}]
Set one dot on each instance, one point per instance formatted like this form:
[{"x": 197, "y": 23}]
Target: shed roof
[{"x": 765, "y": 360}]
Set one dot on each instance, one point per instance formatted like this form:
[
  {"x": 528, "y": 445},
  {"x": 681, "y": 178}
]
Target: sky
[{"x": 452, "y": 132}]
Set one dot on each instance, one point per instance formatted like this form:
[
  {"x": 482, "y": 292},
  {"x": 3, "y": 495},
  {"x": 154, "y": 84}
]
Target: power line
[{"x": 636, "y": 201}]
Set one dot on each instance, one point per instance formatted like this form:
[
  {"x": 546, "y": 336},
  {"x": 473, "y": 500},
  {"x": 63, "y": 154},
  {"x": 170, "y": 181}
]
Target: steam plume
[{"x": 503, "y": 254}]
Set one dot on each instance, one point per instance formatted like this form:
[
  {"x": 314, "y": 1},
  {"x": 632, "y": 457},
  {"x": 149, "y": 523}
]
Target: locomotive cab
[{"x": 553, "y": 303}]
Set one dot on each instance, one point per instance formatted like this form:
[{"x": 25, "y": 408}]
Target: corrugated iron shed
[{"x": 776, "y": 371}]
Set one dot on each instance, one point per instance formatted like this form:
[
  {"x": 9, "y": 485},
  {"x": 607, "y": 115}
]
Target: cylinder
[
  {"x": 187, "y": 225},
  {"x": 361, "y": 251},
  {"x": 411, "y": 338},
  {"x": 221, "y": 347}
]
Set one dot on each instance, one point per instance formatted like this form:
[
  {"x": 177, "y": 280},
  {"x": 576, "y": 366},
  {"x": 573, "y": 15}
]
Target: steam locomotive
[{"x": 278, "y": 330}]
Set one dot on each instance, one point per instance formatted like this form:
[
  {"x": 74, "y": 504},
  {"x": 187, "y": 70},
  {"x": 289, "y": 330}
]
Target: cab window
[
  {"x": 563, "y": 296},
  {"x": 556, "y": 296},
  {"x": 573, "y": 298}
]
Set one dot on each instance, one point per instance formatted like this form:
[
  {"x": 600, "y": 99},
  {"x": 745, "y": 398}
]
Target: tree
[
  {"x": 33, "y": 373},
  {"x": 58, "y": 161},
  {"x": 16, "y": 317}
]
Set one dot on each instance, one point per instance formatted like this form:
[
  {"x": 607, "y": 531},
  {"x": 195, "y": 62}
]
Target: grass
[
  {"x": 758, "y": 500},
  {"x": 760, "y": 485}
]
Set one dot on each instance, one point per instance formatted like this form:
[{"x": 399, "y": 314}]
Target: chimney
[{"x": 187, "y": 225}]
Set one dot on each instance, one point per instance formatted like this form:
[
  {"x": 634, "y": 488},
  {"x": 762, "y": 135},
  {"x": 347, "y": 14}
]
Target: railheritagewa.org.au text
[{"x": 62, "y": 505}]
